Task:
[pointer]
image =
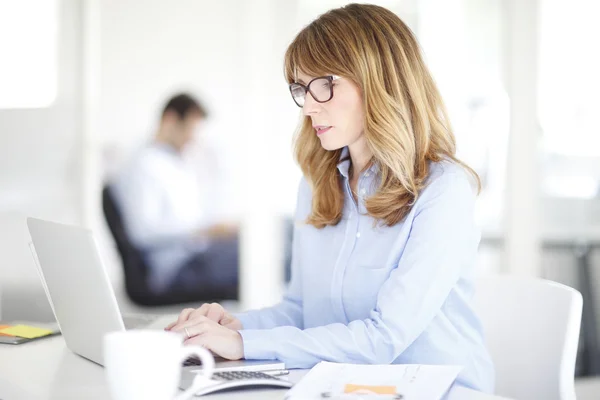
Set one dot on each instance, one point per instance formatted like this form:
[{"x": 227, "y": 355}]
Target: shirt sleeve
[
  {"x": 289, "y": 311},
  {"x": 443, "y": 239}
]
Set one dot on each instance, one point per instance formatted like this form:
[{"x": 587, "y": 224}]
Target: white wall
[
  {"x": 200, "y": 46},
  {"x": 40, "y": 153},
  {"x": 39, "y": 163}
]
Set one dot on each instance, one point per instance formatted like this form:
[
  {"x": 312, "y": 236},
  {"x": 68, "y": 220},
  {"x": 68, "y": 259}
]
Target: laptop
[{"x": 82, "y": 297}]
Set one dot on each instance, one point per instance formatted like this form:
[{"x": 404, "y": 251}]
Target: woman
[{"x": 385, "y": 242}]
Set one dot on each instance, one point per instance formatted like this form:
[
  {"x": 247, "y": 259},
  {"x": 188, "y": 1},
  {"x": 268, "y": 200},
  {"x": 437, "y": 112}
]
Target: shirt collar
[{"x": 344, "y": 164}]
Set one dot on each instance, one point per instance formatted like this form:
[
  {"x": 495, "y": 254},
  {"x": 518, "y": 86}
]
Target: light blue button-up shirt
[{"x": 381, "y": 295}]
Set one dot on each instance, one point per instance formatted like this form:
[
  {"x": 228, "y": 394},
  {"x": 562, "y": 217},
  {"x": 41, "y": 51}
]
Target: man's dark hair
[{"x": 183, "y": 105}]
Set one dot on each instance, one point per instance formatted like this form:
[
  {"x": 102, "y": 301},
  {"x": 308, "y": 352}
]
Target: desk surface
[{"x": 46, "y": 370}]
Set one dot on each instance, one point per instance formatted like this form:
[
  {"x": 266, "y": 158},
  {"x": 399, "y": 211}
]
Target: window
[
  {"x": 28, "y": 50},
  {"x": 463, "y": 44},
  {"x": 568, "y": 97}
]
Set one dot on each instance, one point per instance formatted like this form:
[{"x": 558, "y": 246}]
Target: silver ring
[{"x": 187, "y": 333}]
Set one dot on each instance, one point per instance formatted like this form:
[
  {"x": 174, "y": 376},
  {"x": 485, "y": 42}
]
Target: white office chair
[{"x": 532, "y": 331}]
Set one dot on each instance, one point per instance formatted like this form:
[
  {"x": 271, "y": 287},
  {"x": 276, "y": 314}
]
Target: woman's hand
[
  {"x": 202, "y": 331},
  {"x": 213, "y": 311}
]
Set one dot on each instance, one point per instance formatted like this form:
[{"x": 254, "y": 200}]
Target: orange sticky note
[
  {"x": 366, "y": 389},
  {"x": 24, "y": 331},
  {"x": 4, "y": 327}
]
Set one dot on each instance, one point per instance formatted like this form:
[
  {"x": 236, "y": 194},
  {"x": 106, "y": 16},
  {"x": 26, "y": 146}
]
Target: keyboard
[
  {"x": 242, "y": 375},
  {"x": 138, "y": 321},
  {"x": 192, "y": 361},
  {"x": 229, "y": 380}
]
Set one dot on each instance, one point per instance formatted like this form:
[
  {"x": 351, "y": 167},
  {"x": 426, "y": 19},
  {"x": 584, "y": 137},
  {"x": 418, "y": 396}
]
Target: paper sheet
[
  {"x": 413, "y": 382},
  {"x": 24, "y": 331}
]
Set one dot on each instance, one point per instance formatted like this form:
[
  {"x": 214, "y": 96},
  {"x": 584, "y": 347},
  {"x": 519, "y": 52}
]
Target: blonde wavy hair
[{"x": 405, "y": 125}]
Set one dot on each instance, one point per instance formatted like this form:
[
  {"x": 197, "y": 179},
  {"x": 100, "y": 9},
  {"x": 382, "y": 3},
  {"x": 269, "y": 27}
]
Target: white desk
[{"x": 46, "y": 370}]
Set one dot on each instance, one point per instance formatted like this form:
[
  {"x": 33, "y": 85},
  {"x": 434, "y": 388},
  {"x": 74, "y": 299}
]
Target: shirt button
[
  {"x": 357, "y": 234},
  {"x": 363, "y": 191},
  {"x": 367, "y": 174}
]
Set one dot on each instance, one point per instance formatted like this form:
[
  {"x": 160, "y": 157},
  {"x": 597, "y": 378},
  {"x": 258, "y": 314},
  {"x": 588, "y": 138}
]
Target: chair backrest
[
  {"x": 532, "y": 332},
  {"x": 134, "y": 266}
]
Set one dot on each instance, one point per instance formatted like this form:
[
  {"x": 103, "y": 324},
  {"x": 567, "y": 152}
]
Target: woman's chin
[{"x": 329, "y": 146}]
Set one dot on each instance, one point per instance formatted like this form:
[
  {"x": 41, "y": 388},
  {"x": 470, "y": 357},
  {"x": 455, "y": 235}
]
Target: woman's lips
[{"x": 322, "y": 129}]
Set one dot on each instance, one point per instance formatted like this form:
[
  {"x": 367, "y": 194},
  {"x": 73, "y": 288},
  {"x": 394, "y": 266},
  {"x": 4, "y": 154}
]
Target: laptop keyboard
[
  {"x": 241, "y": 375},
  {"x": 192, "y": 361},
  {"x": 137, "y": 321}
]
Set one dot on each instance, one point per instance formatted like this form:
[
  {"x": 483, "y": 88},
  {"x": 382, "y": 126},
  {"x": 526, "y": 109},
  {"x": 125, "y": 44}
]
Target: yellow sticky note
[
  {"x": 366, "y": 389},
  {"x": 24, "y": 331}
]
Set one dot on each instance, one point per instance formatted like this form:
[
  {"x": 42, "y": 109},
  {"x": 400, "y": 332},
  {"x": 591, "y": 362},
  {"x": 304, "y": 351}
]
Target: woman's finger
[
  {"x": 196, "y": 321},
  {"x": 198, "y": 340},
  {"x": 193, "y": 330},
  {"x": 215, "y": 312},
  {"x": 185, "y": 315},
  {"x": 202, "y": 310},
  {"x": 171, "y": 325}
]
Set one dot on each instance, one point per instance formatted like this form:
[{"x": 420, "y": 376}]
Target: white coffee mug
[{"x": 146, "y": 365}]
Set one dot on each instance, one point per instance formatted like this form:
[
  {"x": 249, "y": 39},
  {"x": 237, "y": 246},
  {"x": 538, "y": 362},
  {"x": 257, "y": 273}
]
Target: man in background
[{"x": 160, "y": 200}]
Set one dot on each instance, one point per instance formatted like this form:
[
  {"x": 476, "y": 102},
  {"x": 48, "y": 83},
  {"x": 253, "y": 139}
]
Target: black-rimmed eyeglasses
[{"x": 320, "y": 88}]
